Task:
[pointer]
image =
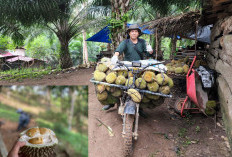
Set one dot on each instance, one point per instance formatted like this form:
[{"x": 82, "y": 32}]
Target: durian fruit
[
  {"x": 113, "y": 100},
  {"x": 40, "y": 142},
  {"x": 100, "y": 88},
  {"x": 153, "y": 86},
  {"x": 156, "y": 103},
  {"x": 145, "y": 99},
  {"x": 211, "y": 104},
  {"x": 179, "y": 70},
  {"x": 102, "y": 96},
  {"x": 110, "y": 100},
  {"x": 121, "y": 80},
  {"x": 110, "y": 89},
  {"x": 185, "y": 68},
  {"x": 164, "y": 89},
  {"x": 129, "y": 81},
  {"x": 210, "y": 111},
  {"x": 123, "y": 73},
  {"x": 149, "y": 76},
  {"x": 135, "y": 95},
  {"x": 117, "y": 92},
  {"x": 152, "y": 96},
  {"x": 186, "y": 59},
  {"x": 140, "y": 83},
  {"x": 161, "y": 79},
  {"x": 172, "y": 69},
  {"x": 169, "y": 64},
  {"x": 178, "y": 65},
  {"x": 108, "y": 71},
  {"x": 111, "y": 77},
  {"x": 105, "y": 59},
  {"x": 173, "y": 62},
  {"x": 32, "y": 132},
  {"x": 102, "y": 67},
  {"x": 99, "y": 76},
  {"x": 170, "y": 82},
  {"x": 130, "y": 74}
]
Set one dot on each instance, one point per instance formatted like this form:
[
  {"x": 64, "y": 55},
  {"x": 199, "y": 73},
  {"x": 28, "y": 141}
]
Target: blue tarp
[
  {"x": 203, "y": 34},
  {"x": 103, "y": 35}
]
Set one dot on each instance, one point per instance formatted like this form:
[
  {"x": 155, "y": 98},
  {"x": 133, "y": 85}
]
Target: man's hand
[
  {"x": 151, "y": 52},
  {"x": 114, "y": 59},
  {"x": 14, "y": 152},
  {"x": 149, "y": 48}
]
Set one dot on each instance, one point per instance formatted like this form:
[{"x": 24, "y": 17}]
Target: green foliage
[
  {"x": 76, "y": 49},
  {"x": 198, "y": 129},
  {"x": 117, "y": 21},
  {"x": 6, "y": 43},
  {"x": 20, "y": 74},
  {"x": 164, "y": 7},
  {"x": 166, "y": 47},
  {"x": 77, "y": 141},
  {"x": 182, "y": 132},
  {"x": 42, "y": 47},
  {"x": 8, "y": 112}
]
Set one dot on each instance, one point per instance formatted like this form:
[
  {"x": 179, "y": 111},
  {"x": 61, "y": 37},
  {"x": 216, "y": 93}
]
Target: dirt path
[{"x": 159, "y": 135}]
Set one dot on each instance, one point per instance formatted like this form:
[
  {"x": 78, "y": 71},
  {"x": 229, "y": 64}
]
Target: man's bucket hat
[{"x": 134, "y": 27}]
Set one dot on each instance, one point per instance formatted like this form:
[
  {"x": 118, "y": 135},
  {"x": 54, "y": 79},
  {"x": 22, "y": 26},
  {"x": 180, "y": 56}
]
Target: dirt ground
[{"x": 162, "y": 134}]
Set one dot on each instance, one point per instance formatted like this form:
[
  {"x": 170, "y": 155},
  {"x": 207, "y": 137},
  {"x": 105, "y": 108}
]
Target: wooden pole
[
  {"x": 156, "y": 43},
  {"x": 196, "y": 38},
  {"x": 3, "y": 149}
]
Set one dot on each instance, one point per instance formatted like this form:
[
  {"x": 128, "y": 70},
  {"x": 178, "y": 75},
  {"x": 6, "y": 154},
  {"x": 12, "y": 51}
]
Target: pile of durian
[
  {"x": 210, "y": 108},
  {"x": 147, "y": 80},
  {"x": 180, "y": 66}
]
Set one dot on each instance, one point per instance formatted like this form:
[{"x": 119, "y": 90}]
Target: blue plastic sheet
[{"x": 103, "y": 35}]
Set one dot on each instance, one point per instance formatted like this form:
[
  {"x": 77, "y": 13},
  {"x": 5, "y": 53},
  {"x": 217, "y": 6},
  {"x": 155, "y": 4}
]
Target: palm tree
[
  {"x": 61, "y": 17},
  {"x": 120, "y": 8}
]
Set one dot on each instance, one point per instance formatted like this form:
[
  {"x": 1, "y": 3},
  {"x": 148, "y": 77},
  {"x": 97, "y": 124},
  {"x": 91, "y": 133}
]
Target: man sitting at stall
[{"x": 133, "y": 48}]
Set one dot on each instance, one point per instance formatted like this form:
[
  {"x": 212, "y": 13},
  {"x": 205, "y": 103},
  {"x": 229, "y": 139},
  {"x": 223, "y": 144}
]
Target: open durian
[{"x": 40, "y": 142}]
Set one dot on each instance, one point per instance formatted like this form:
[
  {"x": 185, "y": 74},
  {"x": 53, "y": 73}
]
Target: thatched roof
[{"x": 175, "y": 25}]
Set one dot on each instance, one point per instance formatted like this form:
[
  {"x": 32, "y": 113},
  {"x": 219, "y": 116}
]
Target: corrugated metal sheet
[
  {"x": 21, "y": 58},
  {"x": 5, "y": 54}
]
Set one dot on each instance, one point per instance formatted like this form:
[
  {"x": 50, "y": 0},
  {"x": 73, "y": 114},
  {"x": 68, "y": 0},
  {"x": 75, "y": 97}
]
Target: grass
[
  {"x": 20, "y": 74},
  {"x": 78, "y": 141},
  {"x": 8, "y": 112}
]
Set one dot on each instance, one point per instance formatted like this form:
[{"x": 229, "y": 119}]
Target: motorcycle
[{"x": 129, "y": 109}]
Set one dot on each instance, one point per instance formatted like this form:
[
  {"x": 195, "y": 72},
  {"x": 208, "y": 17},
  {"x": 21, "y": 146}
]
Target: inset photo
[{"x": 45, "y": 121}]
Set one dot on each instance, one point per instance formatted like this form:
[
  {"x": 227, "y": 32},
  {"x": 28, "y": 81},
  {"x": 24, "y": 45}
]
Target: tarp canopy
[
  {"x": 203, "y": 34},
  {"x": 103, "y": 35}
]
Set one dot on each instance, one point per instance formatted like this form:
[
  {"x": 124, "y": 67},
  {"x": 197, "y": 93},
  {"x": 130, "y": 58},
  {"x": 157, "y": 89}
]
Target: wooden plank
[{"x": 3, "y": 149}]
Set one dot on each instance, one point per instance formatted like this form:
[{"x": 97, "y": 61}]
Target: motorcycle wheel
[{"x": 128, "y": 138}]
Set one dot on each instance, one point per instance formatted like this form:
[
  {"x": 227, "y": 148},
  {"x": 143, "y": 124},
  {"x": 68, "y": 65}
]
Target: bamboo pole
[
  {"x": 196, "y": 38},
  {"x": 156, "y": 45}
]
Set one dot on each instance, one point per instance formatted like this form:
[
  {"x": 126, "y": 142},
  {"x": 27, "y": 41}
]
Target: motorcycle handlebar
[{"x": 122, "y": 64}]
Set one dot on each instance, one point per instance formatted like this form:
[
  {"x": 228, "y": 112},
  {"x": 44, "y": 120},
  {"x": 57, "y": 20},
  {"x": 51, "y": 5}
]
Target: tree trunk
[
  {"x": 73, "y": 99},
  {"x": 65, "y": 59},
  {"x": 173, "y": 41},
  {"x": 119, "y": 8},
  {"x": 48, "y": 98},
  {"x": 85, "y": 50}
]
